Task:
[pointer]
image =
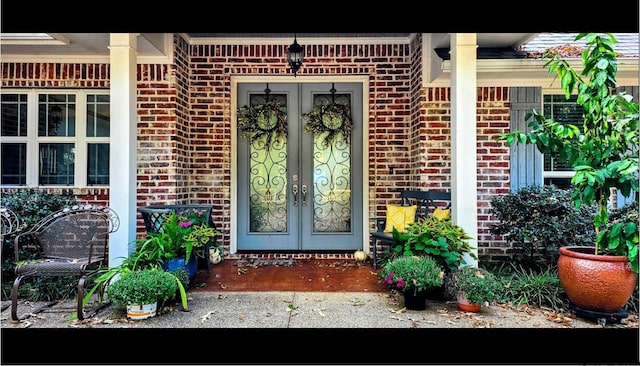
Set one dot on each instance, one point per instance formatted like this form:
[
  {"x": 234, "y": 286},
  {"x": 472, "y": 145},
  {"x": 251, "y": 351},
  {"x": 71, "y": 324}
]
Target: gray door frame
[{"x": 359, "y": 135}]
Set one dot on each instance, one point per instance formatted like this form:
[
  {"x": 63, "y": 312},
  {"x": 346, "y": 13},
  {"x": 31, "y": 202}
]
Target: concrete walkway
[
  {"x": 309, "y": 327},
  {"x": 301, "y": 310}
]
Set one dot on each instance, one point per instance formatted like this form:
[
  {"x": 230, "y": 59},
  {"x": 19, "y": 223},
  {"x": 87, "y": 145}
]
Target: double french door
[{"x": 300, "y": 167}]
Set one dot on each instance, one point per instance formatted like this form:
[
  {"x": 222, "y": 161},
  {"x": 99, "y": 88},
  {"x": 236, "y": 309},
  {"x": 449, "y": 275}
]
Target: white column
[
  {"x": 123, "y": 144},
  {"x": 464, "y": 178}
]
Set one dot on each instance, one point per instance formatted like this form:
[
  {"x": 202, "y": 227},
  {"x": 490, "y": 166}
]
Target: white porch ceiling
[{"x": 155, "y": 44}]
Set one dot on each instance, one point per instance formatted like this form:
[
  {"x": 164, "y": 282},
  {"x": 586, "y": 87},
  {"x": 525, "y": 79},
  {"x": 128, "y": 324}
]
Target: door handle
[
  {"x": 294, "y": 190},
  {"x": 304, "y": 194}
]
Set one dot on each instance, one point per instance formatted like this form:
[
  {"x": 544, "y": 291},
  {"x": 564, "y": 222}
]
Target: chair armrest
[{"x": 27, "y": 239}]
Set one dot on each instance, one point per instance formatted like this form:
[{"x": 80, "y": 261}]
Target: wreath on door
[
  {"x": 334, "y": 119},
  {"x": 267, "y": 122}
]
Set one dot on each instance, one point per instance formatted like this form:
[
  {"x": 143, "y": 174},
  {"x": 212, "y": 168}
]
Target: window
[
  {"x": 55, "y": 138},
  {"x": 559, "y": 108}
]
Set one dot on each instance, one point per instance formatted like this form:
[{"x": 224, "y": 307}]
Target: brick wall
[
  {"x": 388, "y": 67},
  {"x": 184, "y": 122},
  {"x": 493, "y": 164}
]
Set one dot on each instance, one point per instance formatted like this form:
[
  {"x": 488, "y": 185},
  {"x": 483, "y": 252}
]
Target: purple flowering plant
[
  {"x": 180, "y": 235},
  {"x": 411, "y": 273},
  {"x": 394, "y": 281}
]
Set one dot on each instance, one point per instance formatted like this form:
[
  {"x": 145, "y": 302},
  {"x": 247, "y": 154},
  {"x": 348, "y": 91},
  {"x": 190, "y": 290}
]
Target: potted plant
[
  {"x": 439, "y": 238},
  {"x": 180, "y": 239},
  {"x": 138, "y": 261},
  {"x": 597, "y": 277},
  {"x": 141, "y": 291},
  {"x": 474, "y": 287},
  {"x": 413, "y": 276}
]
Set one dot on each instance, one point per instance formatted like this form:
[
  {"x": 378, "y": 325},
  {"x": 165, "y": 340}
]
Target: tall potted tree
[{"x": 603, "y": 152}]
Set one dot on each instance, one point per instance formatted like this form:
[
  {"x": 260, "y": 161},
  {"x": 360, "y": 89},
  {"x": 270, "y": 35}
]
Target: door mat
[{"x": 261, "y": 262}]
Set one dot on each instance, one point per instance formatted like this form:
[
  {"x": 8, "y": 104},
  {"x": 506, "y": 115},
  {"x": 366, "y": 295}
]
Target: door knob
[
  {"x": 294, "y": 190},
  {"x": 304, "y": 194}
]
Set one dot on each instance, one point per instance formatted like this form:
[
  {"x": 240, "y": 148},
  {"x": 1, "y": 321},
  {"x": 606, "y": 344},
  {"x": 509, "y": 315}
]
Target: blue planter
[{"x": 176, "y": 263}]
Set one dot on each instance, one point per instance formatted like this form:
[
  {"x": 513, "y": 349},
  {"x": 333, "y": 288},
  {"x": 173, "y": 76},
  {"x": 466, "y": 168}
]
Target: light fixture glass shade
[{"x": 295, "y": 56}]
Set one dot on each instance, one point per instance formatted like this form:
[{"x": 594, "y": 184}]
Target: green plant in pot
[
  {"x": 597, "y": 277},
  {"x": 180, "y": 239},
  {"x": 139, "y": 260},
  {"x": 475, "y": 286},
  {"x": 439, "y": 238},
  {"x": 413, "y": 276},
  {"x": 149, "y": 286}
]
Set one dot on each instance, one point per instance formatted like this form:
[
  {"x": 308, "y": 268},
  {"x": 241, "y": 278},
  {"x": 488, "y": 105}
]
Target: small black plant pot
[{"x": 415, "y": 301}]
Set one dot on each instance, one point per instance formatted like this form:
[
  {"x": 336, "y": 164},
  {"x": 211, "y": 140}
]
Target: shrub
[
  {"x": 537, "y": 220},
  {"x": 478, "y": 284},
  {"x": 146, "y": 286},
  {"x": 439, "y": 238},
  {"x": 411, "y": 273}
]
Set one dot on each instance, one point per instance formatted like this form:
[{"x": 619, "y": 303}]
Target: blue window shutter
[
  {"x": 622, "y": 200},
  {"x": 526, "y": 160}
]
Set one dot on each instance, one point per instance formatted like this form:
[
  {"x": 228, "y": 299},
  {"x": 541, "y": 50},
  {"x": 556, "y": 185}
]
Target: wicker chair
[
  {"x": 70, "y": 242},
  {"x": 10, "y": 224}
]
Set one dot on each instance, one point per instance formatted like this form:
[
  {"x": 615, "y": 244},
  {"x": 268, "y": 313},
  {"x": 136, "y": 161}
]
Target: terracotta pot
[
  {"x": 465, "y": 305},
  {"x": 602, "y": 283}
]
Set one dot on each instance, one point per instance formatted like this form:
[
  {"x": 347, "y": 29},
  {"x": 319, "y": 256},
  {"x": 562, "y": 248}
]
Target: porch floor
[{"x": 311, "y": 273}]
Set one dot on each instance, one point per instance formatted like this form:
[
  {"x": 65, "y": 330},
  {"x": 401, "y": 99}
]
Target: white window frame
[
  {"x": 80, "y": 140},
  {"x": 554, "y": 173}
]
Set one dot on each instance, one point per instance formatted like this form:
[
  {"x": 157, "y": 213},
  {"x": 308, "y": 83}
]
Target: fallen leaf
[{"x": 207, "y": 316}]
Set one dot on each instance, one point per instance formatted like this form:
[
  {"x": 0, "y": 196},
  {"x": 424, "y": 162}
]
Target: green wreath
[
  {"x": 333, "y": 119},
  {"x": 266, "y": 121}
]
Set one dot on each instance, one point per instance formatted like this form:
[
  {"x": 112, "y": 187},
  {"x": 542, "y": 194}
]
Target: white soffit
[{"x": 33, "y": 39}]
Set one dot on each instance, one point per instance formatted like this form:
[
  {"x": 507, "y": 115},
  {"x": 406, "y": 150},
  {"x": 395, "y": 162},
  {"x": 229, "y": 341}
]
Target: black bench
[{"x": 426, "y": 202}]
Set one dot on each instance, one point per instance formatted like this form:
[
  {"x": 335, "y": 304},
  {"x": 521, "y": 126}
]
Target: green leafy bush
[
  {"x": 411, "y": 273},
  {"x": 537, "y": 220},
  {"x": 439, "y": 238},
  {"x": 478, "y": 284},
  {"x": 146, "y": 286},
  {"x": 621, "y": 230}
]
